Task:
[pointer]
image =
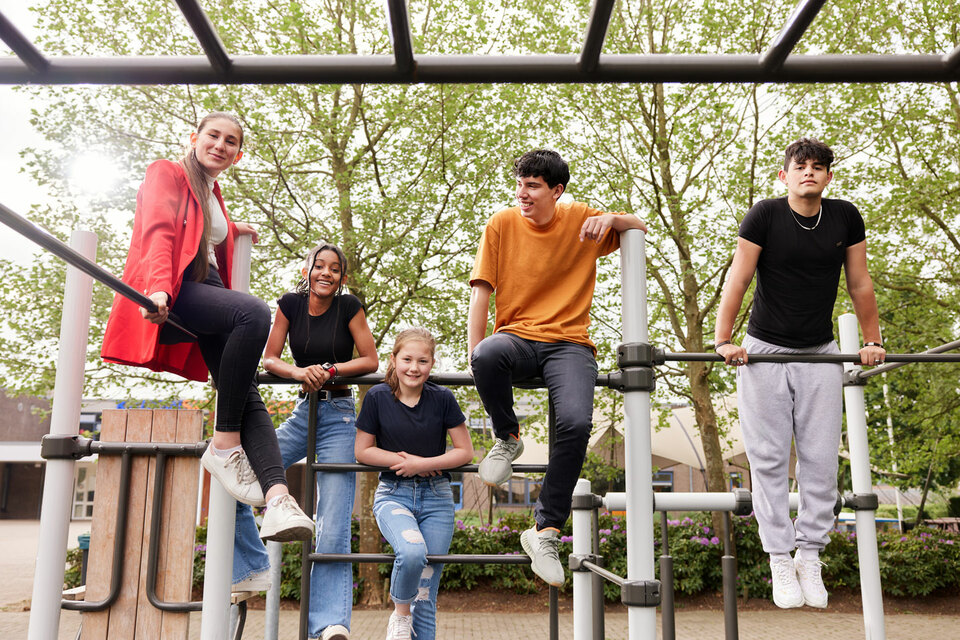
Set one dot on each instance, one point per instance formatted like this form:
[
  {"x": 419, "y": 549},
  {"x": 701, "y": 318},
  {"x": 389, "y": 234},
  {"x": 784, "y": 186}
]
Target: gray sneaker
[
  {"x": 497, "y": 466},
  {"x": 542, "y": 546}
]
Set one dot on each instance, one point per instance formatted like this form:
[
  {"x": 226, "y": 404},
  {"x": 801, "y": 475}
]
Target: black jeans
[
  {"x": 232, "y": 329},
  {"x": 570, "y": 373}
]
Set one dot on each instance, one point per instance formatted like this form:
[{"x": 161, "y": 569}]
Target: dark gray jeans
[{"x": 570, "y": 373}]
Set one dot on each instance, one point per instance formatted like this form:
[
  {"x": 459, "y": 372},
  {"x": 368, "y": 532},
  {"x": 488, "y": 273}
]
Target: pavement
[{"x": 18, "y": 540}]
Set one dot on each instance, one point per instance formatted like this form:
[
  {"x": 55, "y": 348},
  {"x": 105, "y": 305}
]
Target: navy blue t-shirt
[
  {"x": 798, "y": 270},
  {"x": 420, "y": 430}
]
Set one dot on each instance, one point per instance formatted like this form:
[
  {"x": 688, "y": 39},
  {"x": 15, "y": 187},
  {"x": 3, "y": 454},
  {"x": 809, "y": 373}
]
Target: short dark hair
[
  {"x": 808, "y": 149},
  {"x": 545, "y": 164}
]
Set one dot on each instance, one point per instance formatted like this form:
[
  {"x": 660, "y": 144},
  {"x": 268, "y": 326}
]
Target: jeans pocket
[
  {"x": 441, "y": 489},
  {"x": 343, "y": 405}
]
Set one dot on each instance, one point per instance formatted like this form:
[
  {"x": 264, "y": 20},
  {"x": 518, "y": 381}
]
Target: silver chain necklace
[{"x": 815, "y": 224}]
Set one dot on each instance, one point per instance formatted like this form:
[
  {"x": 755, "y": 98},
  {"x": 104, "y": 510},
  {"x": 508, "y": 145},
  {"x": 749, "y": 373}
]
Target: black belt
[{"x": 329, "y": 394}]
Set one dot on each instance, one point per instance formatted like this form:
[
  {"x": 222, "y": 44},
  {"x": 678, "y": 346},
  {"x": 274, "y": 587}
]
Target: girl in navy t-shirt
[{"x": 403, "y": 425}]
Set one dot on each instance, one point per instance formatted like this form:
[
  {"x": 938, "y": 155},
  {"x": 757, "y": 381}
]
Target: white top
[{"x": 218, "y": 224}]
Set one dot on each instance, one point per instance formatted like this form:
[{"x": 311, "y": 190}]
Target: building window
[
  {"x": 663, "y": 481},
  {"x": 736, "y": 480},
  {"x": 83, "y": 494}
]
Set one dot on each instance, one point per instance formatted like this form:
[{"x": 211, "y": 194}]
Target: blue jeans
[
  {"x": 415, "y": 515},
  {"x": 570, "y": 372},
  {"x": 331, "y": 584}
]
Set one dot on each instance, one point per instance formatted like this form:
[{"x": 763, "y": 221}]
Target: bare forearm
[
  {"x": 865, "y": 306},
  {"x": 451, "y": 459},
  {"x": 377, "y": 457},
  {"x": 477, "y": 316},
  {"x": 730, "y": 304}
]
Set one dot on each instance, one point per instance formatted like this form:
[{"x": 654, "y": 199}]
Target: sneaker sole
[
  {"x": 528, "y": 549},
  {"x": 784, "y": 605},
  {"x": 295, "y": 531},
  {"x": 815, "y": 605}
]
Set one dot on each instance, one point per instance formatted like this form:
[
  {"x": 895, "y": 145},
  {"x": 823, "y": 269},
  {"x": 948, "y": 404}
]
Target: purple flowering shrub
[{"x": 919, "y": 562}]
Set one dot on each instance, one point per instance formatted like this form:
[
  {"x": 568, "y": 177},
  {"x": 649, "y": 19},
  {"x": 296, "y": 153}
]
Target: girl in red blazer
[{"x": 180, "y": 256}]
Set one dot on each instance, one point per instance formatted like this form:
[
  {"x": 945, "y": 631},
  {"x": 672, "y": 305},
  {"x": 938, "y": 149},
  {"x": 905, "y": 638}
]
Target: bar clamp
[
  {"x": 636, "y": 354},
  {"x": 743, "y": 502},
  {"x": 861, "y": 501},
  {"x": 576, "y": 561},
  {"x": 633, "y": 379},
  {"x": 584, "y": 501},
  {"x": 852, "y": 378},
  {"x": 64, "y": 447},
  {"x": 640, "y": 593}
]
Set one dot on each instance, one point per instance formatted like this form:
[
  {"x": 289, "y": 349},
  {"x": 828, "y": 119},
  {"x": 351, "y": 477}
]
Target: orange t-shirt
[{"x": 543, "y": 278}]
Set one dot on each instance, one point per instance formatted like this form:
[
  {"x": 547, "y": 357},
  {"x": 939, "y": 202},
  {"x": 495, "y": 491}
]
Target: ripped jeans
[{"x": 415, "y": 515}]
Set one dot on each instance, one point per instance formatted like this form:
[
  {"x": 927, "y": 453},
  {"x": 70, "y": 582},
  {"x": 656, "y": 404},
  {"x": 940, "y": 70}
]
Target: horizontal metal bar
[
  {"x": 191, "y": 449},
  {"x": 603, "y": 573},
  {"x": 41, "y": 237},
  {"x": 445, "y": 379},
  {"x": 454, "y": 558},
  {"x": 206, "y": 34},
  {"x": 29, "y": 54},
  {"x": 952, "y": 60},
  {"x": 467, "y": 468},
  {"x": 437, "y": 69},
  {"x": 692, "y": 501},
  {"x": 863, "y": 375},
  {"x": 839, "y": 358},
  {"x": 596, "y": 34},
  {"x": 398, "y": 21},
  {"x": 791, "y": 33}
]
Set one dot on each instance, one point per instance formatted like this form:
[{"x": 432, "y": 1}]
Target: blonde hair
[
  {"x": 197, "y": 178},
  {"x": 414, "y": 334}
]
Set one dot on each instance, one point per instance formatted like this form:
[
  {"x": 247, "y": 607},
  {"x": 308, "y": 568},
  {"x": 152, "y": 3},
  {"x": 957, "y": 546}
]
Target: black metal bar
[
  {"x": 863, "y": 375},
  {"x": 798, "y": 22},
  {"x": 445, "y": 379},
  {"x": 437, "y": 69},
  {"x": 119, "y": 541},
  {"x": 309, "y": 502},
  {"x": 153, "y": 550},
  {"x": 32, "y": 232},
  {"x": 554, "y": 615},
  {"x": 452, "y": 558},
  {"x": 728, "y": 566},
  {"x": 28, "y": 54},
  {"x": 667, "y": 610},
  {"x": 148, "y": 448},
  {"x": 952, "y": 60},
  {"x": 838, "y": 358},
  {"x": 241, "y": 619},
  {"x": 467, "y": 468},
  {"x": 599, "y": 602},
  {"x": 596, "y": 34},
  {"x": 398, "y": 22},
  {"x": 206, "y": 34}
]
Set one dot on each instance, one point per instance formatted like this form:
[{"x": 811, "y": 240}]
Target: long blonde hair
[
  {"x": 198, "y": 182},
  {"x": 412, "y": 334}
]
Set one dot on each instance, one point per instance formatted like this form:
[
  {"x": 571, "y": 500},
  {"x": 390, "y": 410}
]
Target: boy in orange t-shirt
[{"x": 541, "y": 260}]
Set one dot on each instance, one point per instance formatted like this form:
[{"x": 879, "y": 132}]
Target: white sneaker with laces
[
  {"x": 256, "y": 582},
  {"x": 335, "y": 632},
  {"x": 399, "y": 627},
  {"x": 811, "y": 583},
  {"x": 543, "y": 549},
  {"x": 497, "y": 466},
  {"x": 786, "y": 588},
  {"x": 235, "y": 474},
  {"x": 286, "y": 521}
]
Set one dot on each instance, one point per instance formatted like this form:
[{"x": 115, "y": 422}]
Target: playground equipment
[{"x": 642, "y": 592}]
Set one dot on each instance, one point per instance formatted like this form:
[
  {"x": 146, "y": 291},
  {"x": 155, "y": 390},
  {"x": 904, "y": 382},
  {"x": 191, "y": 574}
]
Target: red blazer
[{"x": 166, "y": 235}]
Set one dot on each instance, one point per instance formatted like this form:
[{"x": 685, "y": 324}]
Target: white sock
[
  {"x": 225, "y": 453},
  {"x": 780, "y": 556},
  {"x": 809, "y": 555}
]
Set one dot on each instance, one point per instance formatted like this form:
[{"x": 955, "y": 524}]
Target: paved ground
[{"x": 18, "y": 541}]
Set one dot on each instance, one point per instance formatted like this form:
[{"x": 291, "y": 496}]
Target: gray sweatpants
[{"x": 803, "y": 402}]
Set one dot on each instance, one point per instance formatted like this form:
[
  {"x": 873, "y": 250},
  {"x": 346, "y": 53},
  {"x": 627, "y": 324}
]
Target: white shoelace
[
  {"x": 504, "y": 450},
  {"x": 400, "y": 628},
  {"x": 244, "y": 471}
]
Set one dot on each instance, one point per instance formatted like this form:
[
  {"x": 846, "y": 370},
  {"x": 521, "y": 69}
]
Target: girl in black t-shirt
[
  {"x": 324, "y": 326},
  {"x": 403, "y": 425}
]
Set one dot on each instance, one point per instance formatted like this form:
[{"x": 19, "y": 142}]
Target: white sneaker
[
  {"x": 255, "y": 582},
  {"x": 497, "y": 466},
  {"x": 399, "y": 627},
  {"x": 811, "y": 583},
  {"x": 786, "y": 588},
  {"x": 235, "y": 474},
  {"x": 542, "y": 547},
  {"x": 286, "y": 521},
  {"x": 335, "y": 632}
]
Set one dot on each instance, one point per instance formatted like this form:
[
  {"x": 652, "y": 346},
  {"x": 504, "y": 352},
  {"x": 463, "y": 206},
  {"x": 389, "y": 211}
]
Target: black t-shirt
[
  {"x": 420, "y": 430},
  {"x": 799, "y": 269},
  {"x": 323, "y": 338}
]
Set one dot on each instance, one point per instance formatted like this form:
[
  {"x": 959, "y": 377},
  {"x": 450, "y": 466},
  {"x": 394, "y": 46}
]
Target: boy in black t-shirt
[{"x": 796, "y": 246}]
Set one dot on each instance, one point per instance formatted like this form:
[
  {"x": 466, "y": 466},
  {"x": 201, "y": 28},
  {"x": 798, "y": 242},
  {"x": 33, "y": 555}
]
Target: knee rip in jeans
[
  {"x": 423, "y": 592},
  {"x": 413, "y": 536}
]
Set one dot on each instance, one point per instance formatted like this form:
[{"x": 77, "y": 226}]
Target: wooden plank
[
  {"x": 180, "y": 514},
  {"x": 103, "y": 527},
  {"x": 163, "y": 429},
  {"x": 123, "y": 617}
]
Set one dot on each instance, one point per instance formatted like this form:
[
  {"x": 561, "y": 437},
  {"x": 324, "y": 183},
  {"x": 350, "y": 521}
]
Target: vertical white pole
[
  {"x": 222, "y": 515},
  {"x": 870, "y": 591},
  {"x": 65, "y": 420},
  {"x": 582, "y": 580},
  {"x": 642, "y": 621}
]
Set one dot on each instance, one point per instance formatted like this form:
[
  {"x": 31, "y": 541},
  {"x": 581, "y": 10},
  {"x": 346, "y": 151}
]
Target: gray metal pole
[
  {"x": 870, "y": 591},
  {"x": 729, "y": 568},
  {"x": 642, "y": 621},
  {"x": 65, "y": 420},
  {"x": 667, "y": 611},
  {"x": 271, "y": 625}
]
